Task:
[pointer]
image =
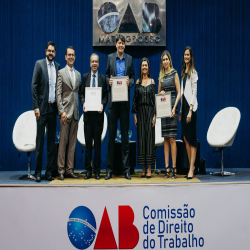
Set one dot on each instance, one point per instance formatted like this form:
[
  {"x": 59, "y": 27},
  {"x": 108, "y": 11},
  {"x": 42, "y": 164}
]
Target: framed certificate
[
  {"x": 119, "y": 89},
  {"x": 163, "y": 105},
  {"x": 93, "y": 99}
]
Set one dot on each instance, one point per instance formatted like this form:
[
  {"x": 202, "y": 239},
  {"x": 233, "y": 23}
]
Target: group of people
[{"x": 56, "y": 90}]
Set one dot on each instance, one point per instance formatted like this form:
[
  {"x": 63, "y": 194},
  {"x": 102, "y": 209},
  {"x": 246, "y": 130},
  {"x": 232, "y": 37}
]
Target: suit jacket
[
  {"x": 66, "y": 94},
  {"x": 86, "y": 79},
  {"x": 40, "y": 85},
  {"x": 111, "y": 70},
  {"x": 190, "y": 91}
]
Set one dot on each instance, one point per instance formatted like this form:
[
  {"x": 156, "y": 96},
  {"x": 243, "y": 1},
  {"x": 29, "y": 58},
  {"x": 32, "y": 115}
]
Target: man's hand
[
  {"x": 84, "y": 109},
  {"x": 127, "y": 80},
  {"x": 110, "y": 81},
  {"x": 101, "y": 109},
  {"x": 64, "y": 117},
  {"x": 37, "y": 113}
]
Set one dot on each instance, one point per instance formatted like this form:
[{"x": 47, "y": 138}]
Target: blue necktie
[
  {"x": 52, "y": 86},
  {"x": 94, "y": 76}
]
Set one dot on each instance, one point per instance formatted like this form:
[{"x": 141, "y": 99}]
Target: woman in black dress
[
  {"x": 189, "y": 104},
  {"x": 169, "y": 82},
  {"x": 144, "y": 107}
]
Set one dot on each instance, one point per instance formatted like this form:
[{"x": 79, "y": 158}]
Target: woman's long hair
[
  {"x": 162, "y": 70},
  {"x": 144, "y": 59},
  {"x": 191, "y": 63}
]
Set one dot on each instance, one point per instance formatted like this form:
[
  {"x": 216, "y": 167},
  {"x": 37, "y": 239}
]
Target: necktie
[
  {"x": 52, "y": 85},
  {"x": 72, "y": 77},
  {"x": 94, "y": 85}
]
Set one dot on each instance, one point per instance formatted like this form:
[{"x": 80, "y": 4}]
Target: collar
[
  {"x": 48, "y": 62},
  {"x": 119, "y": 57},
  {"x": 92, "y": 73},
  {"x": 70, "y": 68}
]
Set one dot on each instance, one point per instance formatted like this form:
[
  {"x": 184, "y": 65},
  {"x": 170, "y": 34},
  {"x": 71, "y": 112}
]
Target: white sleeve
[{"x": 194, "y": 79}]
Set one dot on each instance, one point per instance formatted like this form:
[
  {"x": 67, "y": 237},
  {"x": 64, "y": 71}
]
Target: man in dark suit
[
  {"x": 93, "y": 120},
  {"x": 119, "y": 64},
  {"x": 67, "y": 88},
  {"x": 44, "y": 105}
]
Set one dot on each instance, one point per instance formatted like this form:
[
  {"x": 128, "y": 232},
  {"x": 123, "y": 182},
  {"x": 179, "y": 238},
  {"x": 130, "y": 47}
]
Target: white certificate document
[
  {"x": 93, "y": 99},
  {"x": 119, "y": 89},
  {"x": 163, "y": 105}
]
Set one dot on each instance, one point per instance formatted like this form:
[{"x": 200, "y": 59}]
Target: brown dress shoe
[
  {"x": 61, "y": 177},
  {"x": 72, "y": 175}
]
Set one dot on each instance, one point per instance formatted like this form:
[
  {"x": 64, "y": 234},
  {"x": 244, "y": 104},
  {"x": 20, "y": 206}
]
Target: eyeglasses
[
  {"x": 70, "y": 55},
  {"x": 51, "y": 51}
]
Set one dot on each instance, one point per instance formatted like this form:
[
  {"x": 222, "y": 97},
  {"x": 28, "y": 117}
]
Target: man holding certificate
[
  {"x": 94, "y": 97},
  {"x": 120, "y": 72}
]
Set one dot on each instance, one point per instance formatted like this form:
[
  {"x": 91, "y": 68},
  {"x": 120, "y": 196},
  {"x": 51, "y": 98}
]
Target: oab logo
[{"x": 82, "y": 229}]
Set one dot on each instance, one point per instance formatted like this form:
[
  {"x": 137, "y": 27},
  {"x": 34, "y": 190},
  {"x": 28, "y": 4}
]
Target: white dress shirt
[
  {"x": 74, "y": 75},
  {"x": 53, "y": 87}
]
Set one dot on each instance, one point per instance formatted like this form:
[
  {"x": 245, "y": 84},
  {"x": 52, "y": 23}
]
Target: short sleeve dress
[
  {"x": 144, "y": 106},
  {"x": 169, "y": 125}
]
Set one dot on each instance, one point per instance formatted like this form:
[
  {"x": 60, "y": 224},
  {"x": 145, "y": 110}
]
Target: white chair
[
  {"x": 80, "y": 132},
  {"x": 159, "y": 141},
  {"x": 24, "y": 136},
  {"x": 222, "y": 131}
]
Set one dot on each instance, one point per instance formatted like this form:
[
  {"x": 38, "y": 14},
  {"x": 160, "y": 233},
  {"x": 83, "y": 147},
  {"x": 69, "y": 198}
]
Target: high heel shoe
[
  {"x": 167, "y": 172},
  {"x": 190, "y": 177},
  {"x": 174, "y": 172}
]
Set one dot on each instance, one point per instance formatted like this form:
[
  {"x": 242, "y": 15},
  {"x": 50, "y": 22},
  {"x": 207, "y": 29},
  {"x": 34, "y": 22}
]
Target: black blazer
[
  {"x": 86, "y": 78},
  {"x": 111, "y": 71},
  {"x": 40, "y": 85}
]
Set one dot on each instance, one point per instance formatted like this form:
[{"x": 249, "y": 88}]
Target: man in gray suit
[
  {"x": 68, "y": 83},
  {"x": 44, "y": 105}
]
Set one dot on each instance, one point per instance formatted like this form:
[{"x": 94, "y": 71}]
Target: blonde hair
[{"x": 162, "y": 70}]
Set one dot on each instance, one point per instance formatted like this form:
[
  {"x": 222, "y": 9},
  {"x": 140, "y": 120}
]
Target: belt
[{"x": 51, "y": 103}]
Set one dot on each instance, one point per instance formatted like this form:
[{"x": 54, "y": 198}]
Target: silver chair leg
[
  {"x": 222, "y": 172},
  {"x": 29, "y": 175}
]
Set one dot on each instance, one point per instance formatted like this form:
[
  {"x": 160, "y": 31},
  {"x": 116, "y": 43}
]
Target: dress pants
[
  {"x": 68, "y": 133},
  {"x": 47, "y": 120},
  {"x": 118, "y": 111},
  {"x": 93, "y": 130}
]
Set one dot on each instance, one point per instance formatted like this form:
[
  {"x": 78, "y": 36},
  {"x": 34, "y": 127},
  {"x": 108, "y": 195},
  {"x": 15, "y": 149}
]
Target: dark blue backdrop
[{"x": 217, "y": 30}]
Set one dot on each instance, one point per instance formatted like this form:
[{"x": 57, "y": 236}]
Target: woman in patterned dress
[
  {"x": 144, "y": 107},
  {"x": 169, "y": 82},
  {"x": 189, "y": 105}
]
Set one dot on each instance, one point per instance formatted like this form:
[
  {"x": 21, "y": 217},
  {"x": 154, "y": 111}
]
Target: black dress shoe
[
  {"x": 97, "y": 176},
  {"x": 61, "y": 177},
  {"x": 143, "y": 176},
  {"x": 72, "y": 175},
  {"x": 127, "y": 176},
  {"x": 38, "y": 177},
  {"x": 49, "y": 178},
  {"x": 108, "y": 176},
  {"x": 87, "y": 175}
]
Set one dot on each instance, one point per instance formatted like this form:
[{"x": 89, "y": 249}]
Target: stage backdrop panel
[{"x": 218, "y": 32}]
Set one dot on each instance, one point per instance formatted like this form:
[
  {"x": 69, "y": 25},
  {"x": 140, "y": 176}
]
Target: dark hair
[
  {"x": 191, "y": 64},
  {"x": 69, "y": 47},
  {"x": 119, "y": 36},
  {"x": 52, "y": 44},
  {"x": 144, "y": 59}
]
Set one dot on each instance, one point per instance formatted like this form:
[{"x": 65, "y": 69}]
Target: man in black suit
[
  {"x": 93, "y": 120},
  {"x": 44, "y": 104},
  {"x": 119, "y": 64}
]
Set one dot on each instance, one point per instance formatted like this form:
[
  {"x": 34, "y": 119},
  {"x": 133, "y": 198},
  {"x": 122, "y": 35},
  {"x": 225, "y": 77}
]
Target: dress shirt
[
  {"x": 96, "y": 79},
  {"x": 120, "y": 65},
  {"x": 54, "y": 78},
  {"x": 74, "y": 74}
]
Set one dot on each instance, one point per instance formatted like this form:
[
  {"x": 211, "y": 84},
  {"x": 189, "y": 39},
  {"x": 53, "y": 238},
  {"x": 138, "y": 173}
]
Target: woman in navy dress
[
  {"x": 169, "y": 82},
  {"x": 144, "y": 116},
  {"x": 189, "y": 105}
]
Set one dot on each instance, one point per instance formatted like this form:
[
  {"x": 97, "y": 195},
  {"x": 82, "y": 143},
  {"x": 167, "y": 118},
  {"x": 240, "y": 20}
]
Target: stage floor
[{"x": 11, "y": 178}]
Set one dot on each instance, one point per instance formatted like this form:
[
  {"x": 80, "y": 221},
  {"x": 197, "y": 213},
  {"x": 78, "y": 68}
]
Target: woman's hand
[
  {"x": 135, "y": 118},
  {"x": 172, "y": 113},
  {"x": 153, "y": 122},
  {"x": 162, "y": 92},
  {"x": 189, "y": 116},
  {"x": 179, "y": 116}
]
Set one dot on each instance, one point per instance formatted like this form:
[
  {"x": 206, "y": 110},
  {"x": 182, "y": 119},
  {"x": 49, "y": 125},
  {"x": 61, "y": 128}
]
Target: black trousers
[
  {"x": 118, "y": 111},
  {"x": 47, "y": 120},
  {"x": 93, "y": 130}
]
